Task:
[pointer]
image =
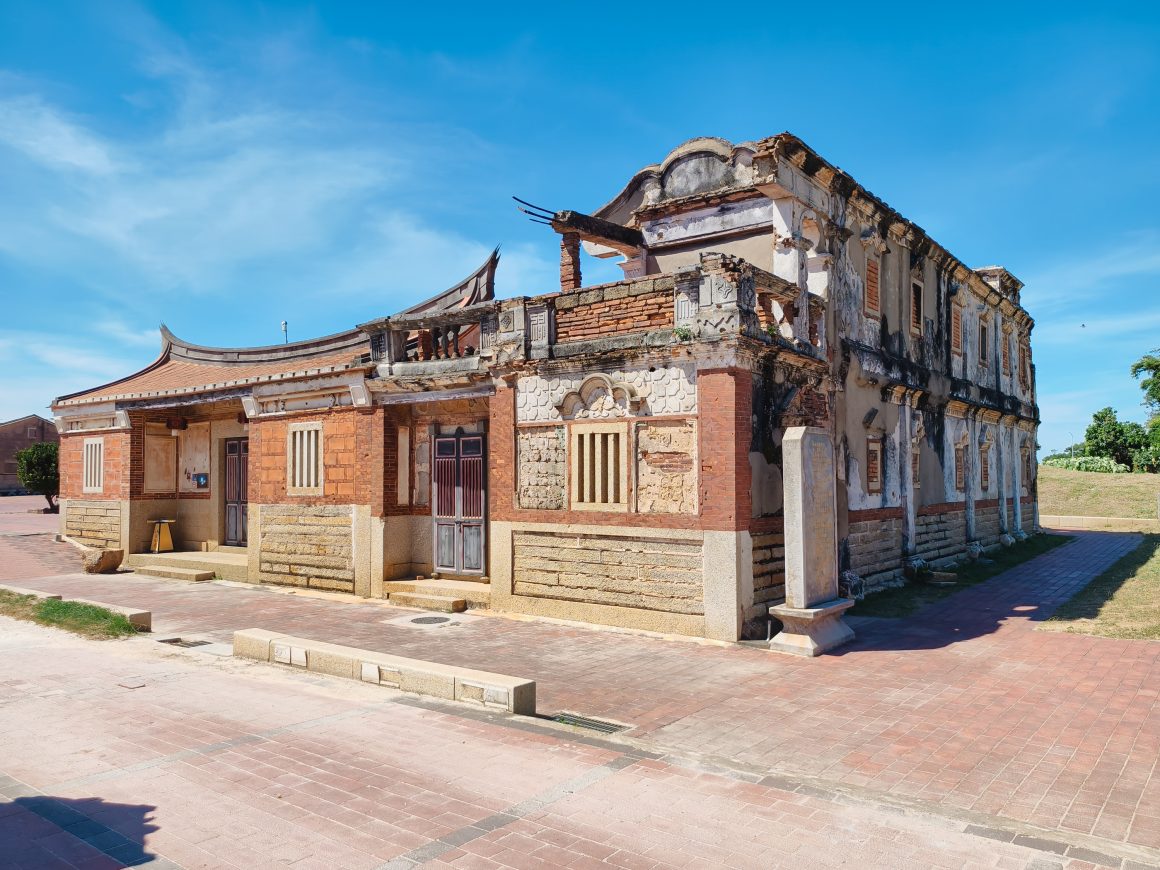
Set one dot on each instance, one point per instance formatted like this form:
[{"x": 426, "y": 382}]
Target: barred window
[
  {"x": 304, "y": 459},
  {"x": 873, "y": 465},
  {"x": 93, "y": 466},
  {"x": 599, "y": 465}
]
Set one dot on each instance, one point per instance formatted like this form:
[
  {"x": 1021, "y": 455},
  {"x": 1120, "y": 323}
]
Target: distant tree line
[{"x": 1112, "y": 445}]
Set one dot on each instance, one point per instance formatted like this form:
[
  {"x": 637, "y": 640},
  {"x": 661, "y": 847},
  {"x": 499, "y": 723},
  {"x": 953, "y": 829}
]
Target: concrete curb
[
  {"x": 514, "y": 694},
  {"x": 142, "y": 620}
]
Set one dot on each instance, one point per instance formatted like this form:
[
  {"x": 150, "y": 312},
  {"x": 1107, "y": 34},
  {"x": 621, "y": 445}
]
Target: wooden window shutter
[
  {"x": 957, "y": 329},
  {"x": 916, "y": 308},
  {"x": 985, "y": 466},
  {"x": 1006, "y": 351},
  {"x": 873, "y": 299}
]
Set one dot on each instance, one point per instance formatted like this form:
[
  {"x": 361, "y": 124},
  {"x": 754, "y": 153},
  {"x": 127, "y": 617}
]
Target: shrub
[
  {"x": 36, "y": 466},
  {"x": 1087, "y": 463}
]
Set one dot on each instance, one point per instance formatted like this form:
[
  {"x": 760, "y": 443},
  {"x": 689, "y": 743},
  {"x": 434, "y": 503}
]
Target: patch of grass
[
  {"x": 1091, "y": 494},
  {"x": 1123, "y": 602},
  {"x": 83, "y": 619},
  {"x": 909, "y": 599}
]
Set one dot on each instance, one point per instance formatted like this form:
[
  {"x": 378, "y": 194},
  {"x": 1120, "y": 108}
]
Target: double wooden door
[
  {"x": 460, "y": 504},
  {"x": 237, "y": 481}
]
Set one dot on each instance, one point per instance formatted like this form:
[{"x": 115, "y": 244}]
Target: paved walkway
[
  {"x": 178, "y": 759},
  {"x": 962, "y": 708},
  {"x": 16, "y": 517}
]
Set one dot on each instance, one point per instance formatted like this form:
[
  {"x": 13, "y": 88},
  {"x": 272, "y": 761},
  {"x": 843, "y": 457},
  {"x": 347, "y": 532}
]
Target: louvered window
[
  {"x": 1006, "y": 353},
  {"x": 916, "y": 308},
  {"x": 873, "y": 465},
  {"x": 873, "y": 298},
  {"x": 93, "y": 466},
  {"x": 957, "y": 329},
  {"x": 599, "y": 463},
  {"x": 985, "y": 466},
  {"x": 960, "y": 469},
  {"x": 304, "y": 459}
]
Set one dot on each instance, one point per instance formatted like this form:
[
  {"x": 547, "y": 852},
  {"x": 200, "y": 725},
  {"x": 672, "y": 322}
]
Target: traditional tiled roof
[{"x": 184, "y": 369}]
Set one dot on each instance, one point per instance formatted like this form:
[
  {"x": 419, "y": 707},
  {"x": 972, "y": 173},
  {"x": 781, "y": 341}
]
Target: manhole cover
[
  {"x": 185, "y": 644},
  {"x": 591, "y": 724},
  {"x": 430, "y": 620}
]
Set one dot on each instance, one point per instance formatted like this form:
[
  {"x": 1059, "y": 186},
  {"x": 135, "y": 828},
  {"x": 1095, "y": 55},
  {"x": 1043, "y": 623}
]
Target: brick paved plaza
[{"x": 926, "y": 743}]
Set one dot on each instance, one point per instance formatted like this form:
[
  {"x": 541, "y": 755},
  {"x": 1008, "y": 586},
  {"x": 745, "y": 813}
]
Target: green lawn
[
  {"x": 909, "y": 599},
  {"x": 1124, "y": 601},
  {"x": 84, "y": 619},
  {"x": 1091, "y": 494}
]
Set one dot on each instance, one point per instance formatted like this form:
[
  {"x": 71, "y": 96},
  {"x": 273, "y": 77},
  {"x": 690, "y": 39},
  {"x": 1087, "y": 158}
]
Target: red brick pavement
[
  {"x": 963, "y": 706},
  {"x": 136, "y": 754}
]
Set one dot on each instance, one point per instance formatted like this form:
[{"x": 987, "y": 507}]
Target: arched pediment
[{"x": 599, "y": 398}]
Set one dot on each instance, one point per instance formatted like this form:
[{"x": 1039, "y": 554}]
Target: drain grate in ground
[
  {"x": 430, "y": 620},
  {"x": 589, "y": 723},
  {"x": 183, "y": 643}
]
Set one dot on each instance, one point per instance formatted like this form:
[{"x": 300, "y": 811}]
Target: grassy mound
[{"x": 1091, "y": 494}]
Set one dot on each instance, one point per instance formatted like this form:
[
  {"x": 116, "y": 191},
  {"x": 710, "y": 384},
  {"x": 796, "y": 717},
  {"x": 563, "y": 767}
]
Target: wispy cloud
[
  {"x": 1083, "y": 276},
  {"x": 44, "y": 135}
]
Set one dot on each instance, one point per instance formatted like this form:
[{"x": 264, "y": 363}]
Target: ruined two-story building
[{"x": 612, "y": 453}]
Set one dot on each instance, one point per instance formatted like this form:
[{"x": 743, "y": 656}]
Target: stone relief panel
[
  {"x": 541, "y": 468},
  {"x": 669, "y": 389},
  {"x": 666, "y": 467}
]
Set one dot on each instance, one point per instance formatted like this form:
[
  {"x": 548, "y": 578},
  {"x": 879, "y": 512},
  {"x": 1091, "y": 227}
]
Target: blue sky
[{"x": 224, "y": 166}]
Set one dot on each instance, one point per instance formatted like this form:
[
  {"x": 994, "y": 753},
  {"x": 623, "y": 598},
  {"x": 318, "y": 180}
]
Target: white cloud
[
  {"x": 1082, "y": 277},
  {"x": 44, "y": 135}
]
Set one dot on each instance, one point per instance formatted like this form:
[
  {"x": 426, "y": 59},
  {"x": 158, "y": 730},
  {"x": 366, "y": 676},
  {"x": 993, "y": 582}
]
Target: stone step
[
  {"x": 228, "y": 566},
  {"x": 475, "y": 594},
  {"x": 428, "y": 602},
  {"x": 169, "y": 573}
]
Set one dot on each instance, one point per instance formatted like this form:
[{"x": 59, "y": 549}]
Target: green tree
[
  {"x": 1149, "y": 365},
  {"x": 36, "y": 466},
  {"x": 1107, "y": 436}
]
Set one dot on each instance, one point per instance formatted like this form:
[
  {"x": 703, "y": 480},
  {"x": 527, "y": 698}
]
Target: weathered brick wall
[
  {"x": 769, "y": 568},
  {"x": 1028, "y": 514},
  {"x": 96, "y": 523},
  {"x": 306, "y": 545},
  {"x": 875, "y": 545},
  {"x": 726, "y": 425},
  {"x": 987, "y": 522},
  {"x": 666, "y": 467},
  {"x": 645, "y": 573},
  {"x": 542, "y": 468},
  {"x": 14, "y": 438},
  {"x": 626, "y": 306},
  {"x": 348, "y": 440},
  {"x": 71, "y": 464},
  {"x": 940, "y": 531}
]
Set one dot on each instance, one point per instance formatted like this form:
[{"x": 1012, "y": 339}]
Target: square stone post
[{"x": 812, "y": 614}]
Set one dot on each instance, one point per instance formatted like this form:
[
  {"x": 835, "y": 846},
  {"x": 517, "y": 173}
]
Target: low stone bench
[{"x": 514, "y": 694}]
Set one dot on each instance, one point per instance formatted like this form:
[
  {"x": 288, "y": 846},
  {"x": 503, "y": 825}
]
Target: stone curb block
[
  {"x": 142, "y": 620},
  {"x": 449, "y": 682}
]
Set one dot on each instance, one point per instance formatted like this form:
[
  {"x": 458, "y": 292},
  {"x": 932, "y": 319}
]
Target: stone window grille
[
  {"x": 304, "y": 459},
  {"x": 93, "y": 465},
  {"x": 599, "y": 465},
  {"x": 873, "y": 297},
  {"x": 916, "y": 467},
  {"x": 957, "y": 329},
  {"x": 916, "y": 308},
  {"x": 985, "y": 467},
  {"x": 873, "y": 465},
  {"x": 983, "y": 341},
  {"x": 960, "y": 468}
]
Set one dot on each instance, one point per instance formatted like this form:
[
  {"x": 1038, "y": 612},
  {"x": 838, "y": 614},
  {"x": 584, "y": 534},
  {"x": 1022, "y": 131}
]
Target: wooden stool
[{"x": 162, "y": 539}]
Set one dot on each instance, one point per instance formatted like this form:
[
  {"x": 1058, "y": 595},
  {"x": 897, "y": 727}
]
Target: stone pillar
[
  {"x": 812, "y": 614},
  {"x": 570, "y": 261},
  {"x": 1017, "y": 484},
  {"x": 969, "y": 474},
  {"x": 905, "y": 451},
  {"x": 1001, "y": 467}
]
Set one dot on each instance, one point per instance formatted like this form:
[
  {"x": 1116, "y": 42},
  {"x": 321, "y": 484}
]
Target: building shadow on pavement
[
  {"x": 46, "y": 831},
  {"x": 1030, "y": 592}
]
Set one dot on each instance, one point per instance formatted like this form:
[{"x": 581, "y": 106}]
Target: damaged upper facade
[{"x": 610, "y": 454}]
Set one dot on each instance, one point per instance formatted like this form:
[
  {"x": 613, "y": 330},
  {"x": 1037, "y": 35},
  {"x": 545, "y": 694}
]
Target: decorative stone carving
[
  {"x": 598, "y": 398},
  {"x": 664, "y": 390}
]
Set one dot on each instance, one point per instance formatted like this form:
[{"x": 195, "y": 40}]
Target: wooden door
[
  {"x": 460, "y": 504},
  {"x": 237, "y": 480}
]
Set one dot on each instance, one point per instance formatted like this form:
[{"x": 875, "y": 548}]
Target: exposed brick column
[
  {"x": 501, "y": 458},
  {"x": 570, "y": 261},
  {"x": 726, "y": 413}
]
